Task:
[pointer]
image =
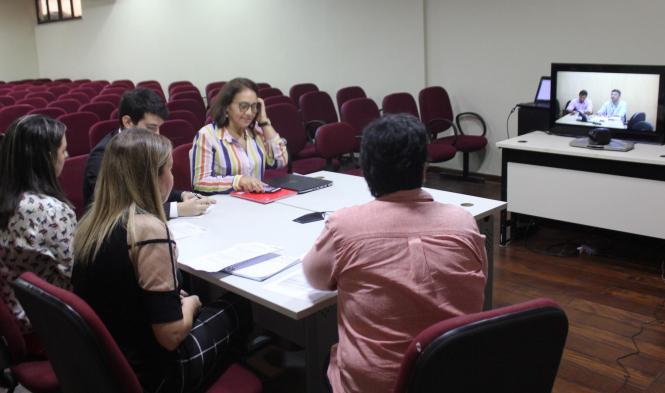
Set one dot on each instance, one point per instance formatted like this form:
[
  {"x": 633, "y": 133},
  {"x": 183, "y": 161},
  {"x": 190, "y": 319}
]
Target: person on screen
[
  {"x": 232, "y": 152},
  {"x": 143, "y": 108},
  {"x": 125, "y": 269},
  {"x": 399, "y": 263},
  {"x": 37, "y": 222},
  {"x": 614, "y": 107},
  {"x": 581, "y": 104}
]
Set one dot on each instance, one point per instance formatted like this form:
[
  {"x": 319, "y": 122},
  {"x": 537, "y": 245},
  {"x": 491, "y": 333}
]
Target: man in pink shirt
[{"x": 399, "y": 263}]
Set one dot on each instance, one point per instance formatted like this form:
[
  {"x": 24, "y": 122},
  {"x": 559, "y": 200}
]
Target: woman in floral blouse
[{"x": 37, "y": 222}]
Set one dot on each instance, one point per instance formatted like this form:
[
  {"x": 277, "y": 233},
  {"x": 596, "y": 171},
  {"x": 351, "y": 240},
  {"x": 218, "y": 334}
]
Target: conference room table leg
[{"x": 486, "y": 227}]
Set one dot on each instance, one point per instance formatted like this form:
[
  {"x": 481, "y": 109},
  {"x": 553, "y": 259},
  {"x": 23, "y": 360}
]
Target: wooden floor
[{"x": 609, "y": 297}]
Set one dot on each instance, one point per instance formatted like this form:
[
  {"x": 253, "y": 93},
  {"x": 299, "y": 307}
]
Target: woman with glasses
[
  {"x": 232, "y": 153},
  {"x": 37, "y": 222}
]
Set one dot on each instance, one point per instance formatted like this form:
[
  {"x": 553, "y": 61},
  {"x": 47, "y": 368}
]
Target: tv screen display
[{"x": 626, "y": 99}]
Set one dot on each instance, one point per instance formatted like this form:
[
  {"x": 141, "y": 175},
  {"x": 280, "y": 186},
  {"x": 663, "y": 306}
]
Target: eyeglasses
[{"x": 244, "y": 106}]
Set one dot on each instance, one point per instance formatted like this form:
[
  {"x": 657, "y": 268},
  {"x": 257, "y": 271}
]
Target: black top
[
  {"x": 110, "y": 285},
  {"x": 93, "y": 166}
]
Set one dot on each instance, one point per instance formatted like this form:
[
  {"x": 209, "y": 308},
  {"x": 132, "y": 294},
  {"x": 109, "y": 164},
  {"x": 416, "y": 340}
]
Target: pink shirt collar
[{"x": 413, "y": 195}]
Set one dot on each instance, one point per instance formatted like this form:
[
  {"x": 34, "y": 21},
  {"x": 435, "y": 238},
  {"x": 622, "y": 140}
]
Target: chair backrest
[
  {"x": 66, "y": 104},
  {"x": 68, "y": 326},
  {"x": 71, "y": 181},
  {"x": 82, "y": 98},
  {"x": 317, "y": 108},
  {"x": 78, "y": 125},
  {"x": 178, "y": 131},
  {"x": 278, "y": 100},
  {"x": 212, "y": 86},
  {"x": 434, "y": 105},
  {"x": 178, "y": 83},
  {"x": 400, "y": 103},
  {"x": 182, "y": 174},
  {"x": 51, "y": 112},
  {"x": 359, "y": 112},
  {"x": 194, "y": 106},
  {"x": 18, "y": 94},
  {"x": 42, "y": 94},
  {"x": 115, "y": 115},
  {"x": 7, "y": 100},
  {"x": 187, "y": 94},
  {"x": 262, "y": 85},
  {"x": 510, "y": 349},
  {"x": 101, "y": 109},
  {"x": 100, "y": 129},
  {"x": 183, "y": 89},
  {"x": 186, "y": 116},
  {"x": 153, "y": 85},
  {"x": 348, "y": 93},
  {"x": 211, "y": 94},
  {"x": 286, "y": 119},
  {"x": 34, "y": 101},
  {"x": 111, "y": 98},
  {"x": 10, "y": 113},
  {"x": 96, "y": 86},
  {"x": 123, "y": 83},
  {"x": 57, "y": 91},
  {"x": 114, "y": 90},
  {"x": 334, "y": 139},
  {"x": 88, "y": 91},
  {"x": 296, "y": 91},
  {"x": 636, "y": 118},
  {"x": 270, "y": 92}
]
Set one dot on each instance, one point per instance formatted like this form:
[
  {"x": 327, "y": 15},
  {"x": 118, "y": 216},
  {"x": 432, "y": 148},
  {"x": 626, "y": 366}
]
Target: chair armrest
[{"x": 472, "y": 114}]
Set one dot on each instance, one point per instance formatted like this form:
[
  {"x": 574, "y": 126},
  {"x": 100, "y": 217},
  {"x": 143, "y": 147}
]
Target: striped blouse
[{"x": 218, "y": 161}]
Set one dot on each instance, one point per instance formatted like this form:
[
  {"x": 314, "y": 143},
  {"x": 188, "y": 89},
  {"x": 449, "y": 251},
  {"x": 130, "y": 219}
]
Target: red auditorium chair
[
  {"x": 262, "y": 85},
  {"x": 182, "y": 174},
  {"x": 178, "y": 131},
  {"x": 335, "y": 140},
  {"x": 317, "y": 109},
  {"x": 212, "y": 94},
  {"x": 153, "y": 85},
  {"x": 270, "y": 92},
  {"x": 68, "y": 105},
  {"x": 34, "y": 101},
  {"x": 71, "y": 181},
  {"x": 57, "y": 91},
  {"x": 10, "y": 113},
  {"x": 286, "y": 120},
  {"x": 296, "y": 91},
  {"x": 18, "y": 94},
  {"x": 178, "y": 83},
  {"x": 51, "y": 112},
  {"x": 115, "y": 114},
  {"x": 117, "y": 90},
  {"x": 67, "y": 324},
  {"x": 110, "y": 98},
  {"x": 436, "y": 113},
  {"x": 358, "y": 113},
  {"x": 96, "y": 86},
  {"x": 213, "y": 86},
  {"x": 78, "y": 125},
  {"x": 101, "y": 109},
  {"x": 348, "y": 93},
  {"x": 516, "y": 348},
  {"x": 88, "y": 91},
  {"x": 196, "y": 107},
  {"x": 182, "y": 89},
  {"x": 32, "y": 372},
  {"x": 100, "y": 129},
  {"x": 126, "y": 83}
]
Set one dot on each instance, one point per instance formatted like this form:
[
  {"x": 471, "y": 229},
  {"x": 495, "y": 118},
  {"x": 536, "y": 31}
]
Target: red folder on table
[{"x": 265, "y": 197}]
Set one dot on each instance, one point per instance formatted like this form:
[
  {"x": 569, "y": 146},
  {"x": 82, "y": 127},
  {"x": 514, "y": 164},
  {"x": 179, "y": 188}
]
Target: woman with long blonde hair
[{"x": 125, "y": 268}]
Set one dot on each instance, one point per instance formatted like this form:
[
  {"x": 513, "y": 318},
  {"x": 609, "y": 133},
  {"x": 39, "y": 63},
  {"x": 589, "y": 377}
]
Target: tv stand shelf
[{"x": 542, "y": 175}]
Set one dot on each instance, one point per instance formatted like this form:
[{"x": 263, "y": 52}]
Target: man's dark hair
[
  {"x": 136, "y": 103},
  {"x": 616, "y": 91},
  {"x": 583, "y": 93},
  {"x": 221, "y": 103},
  {"x": 28, "y": 154},
  {"x": 393, "y": 154}
]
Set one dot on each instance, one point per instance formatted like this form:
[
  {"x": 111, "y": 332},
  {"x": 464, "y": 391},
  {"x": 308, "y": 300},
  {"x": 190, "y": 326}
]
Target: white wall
[
  {"x": 18, "y": 53},
  {"x": 489, "y": 55},
  {"x": 377, "y": 44}
]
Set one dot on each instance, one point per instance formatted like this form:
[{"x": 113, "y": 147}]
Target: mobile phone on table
[{"x": 270, "y": 189}]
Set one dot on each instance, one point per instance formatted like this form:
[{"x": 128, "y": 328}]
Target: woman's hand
[
  {"x": 250, "y": 184},
  {"x": 262, "y": 113}
]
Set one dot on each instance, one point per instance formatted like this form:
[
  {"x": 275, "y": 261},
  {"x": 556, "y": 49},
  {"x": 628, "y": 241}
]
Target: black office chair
[
  {"x": 642, "y": 126},
  {"x": 636, "y": 118},
  {"x": 565, "y": 109}
]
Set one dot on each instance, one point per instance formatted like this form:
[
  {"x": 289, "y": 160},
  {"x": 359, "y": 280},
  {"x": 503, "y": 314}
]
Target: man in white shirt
[{"x": 614, "y": 107}]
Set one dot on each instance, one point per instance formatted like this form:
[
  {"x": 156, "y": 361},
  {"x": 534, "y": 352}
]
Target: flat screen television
[{"x": 629, "y": 100}]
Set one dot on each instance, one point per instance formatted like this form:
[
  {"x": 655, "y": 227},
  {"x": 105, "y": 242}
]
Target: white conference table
[
  {"x": 298, "y": 313},
  {"x": 593, "y": 121}
]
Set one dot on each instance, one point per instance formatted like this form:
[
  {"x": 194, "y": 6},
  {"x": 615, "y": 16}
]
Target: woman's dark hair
[
  {"x": 137, "y": 102},
  {"x": 27, "y": 162},
  {"x": 393, "y": 154},
  {"x": 225, "y": 97}
]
